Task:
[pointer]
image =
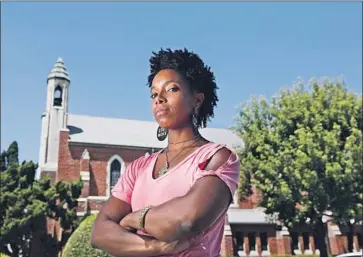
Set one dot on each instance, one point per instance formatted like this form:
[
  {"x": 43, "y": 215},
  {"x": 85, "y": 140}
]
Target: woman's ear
[{"x": 198, "y": 102}]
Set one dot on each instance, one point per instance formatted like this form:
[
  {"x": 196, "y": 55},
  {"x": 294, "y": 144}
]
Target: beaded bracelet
[{"x": 142, "y": 217}]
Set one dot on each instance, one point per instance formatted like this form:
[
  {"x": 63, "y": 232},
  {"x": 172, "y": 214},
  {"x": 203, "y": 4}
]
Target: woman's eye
[
  {"x": 153, "y": 96},
  {"x": 173, "y": 89}
]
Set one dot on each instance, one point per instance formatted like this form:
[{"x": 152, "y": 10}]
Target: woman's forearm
[
  {"x": 119, "y": 242},
  {"x": 169, "y": 222},
  {"x": 166, "y": 222}
]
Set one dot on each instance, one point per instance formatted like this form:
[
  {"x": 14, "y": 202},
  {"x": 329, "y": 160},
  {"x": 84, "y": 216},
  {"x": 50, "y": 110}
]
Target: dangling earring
[
  {"x": 195, "y": 121},
  {"x": 162, "y": 133}
]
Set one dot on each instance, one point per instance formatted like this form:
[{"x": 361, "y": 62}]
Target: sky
[{"x": 253, "y": 49}]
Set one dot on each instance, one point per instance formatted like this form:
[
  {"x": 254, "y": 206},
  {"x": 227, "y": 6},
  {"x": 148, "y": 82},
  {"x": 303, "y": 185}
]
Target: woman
[{"x": 176, "y": 199}]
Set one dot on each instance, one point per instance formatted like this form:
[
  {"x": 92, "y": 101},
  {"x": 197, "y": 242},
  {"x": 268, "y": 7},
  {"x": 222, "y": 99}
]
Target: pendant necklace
[{"x": 165, "y": 169}]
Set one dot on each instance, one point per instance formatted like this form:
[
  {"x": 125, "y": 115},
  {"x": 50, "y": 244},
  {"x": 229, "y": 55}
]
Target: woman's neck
[{"x": 180, "y": 137}]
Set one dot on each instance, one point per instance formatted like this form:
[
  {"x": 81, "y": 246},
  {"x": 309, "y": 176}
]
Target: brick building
[{"x": 97, "y": 150}]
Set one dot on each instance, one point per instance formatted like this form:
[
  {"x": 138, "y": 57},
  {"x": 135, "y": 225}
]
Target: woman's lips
[{"x": 161, "y": 112}]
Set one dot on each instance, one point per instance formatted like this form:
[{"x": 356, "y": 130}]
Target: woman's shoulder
[
  {"x": 218, "y": 154},
  {"x": 216, "y": 149}
]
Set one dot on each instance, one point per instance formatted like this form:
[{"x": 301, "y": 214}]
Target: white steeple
[
  {"x": 59, "y": 70},
  {"x": 54, "y": 119}
]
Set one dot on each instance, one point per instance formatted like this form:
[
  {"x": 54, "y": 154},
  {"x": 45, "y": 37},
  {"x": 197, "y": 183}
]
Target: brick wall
[
  {"x": 227, "y": 246},
  {"x": 70, "y": 163},
  {"x": 99, "y": 157},
  {"x": 286, "y": 241},
  {"x": 279, "y": 246},
  {"x": 98, "y": 178},
  {"x": 68, "y": 170},
  {"x": 85, "y": 189}
]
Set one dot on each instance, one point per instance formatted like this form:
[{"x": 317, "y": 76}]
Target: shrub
[
  {"x": 79, "y": 243},
  {"x": 3, "y": 255}
]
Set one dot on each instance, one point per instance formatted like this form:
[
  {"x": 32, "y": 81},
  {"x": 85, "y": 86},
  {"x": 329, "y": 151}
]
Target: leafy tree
[
  {"x": 13, "y": 153},
  {"x": 303, "y": 151},
  {"x": 25, "y": 202},
  {"x": 3, "y": 161}
]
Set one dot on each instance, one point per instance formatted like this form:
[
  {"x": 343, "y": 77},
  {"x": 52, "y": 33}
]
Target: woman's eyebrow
[{"x": 165, "y": 83}]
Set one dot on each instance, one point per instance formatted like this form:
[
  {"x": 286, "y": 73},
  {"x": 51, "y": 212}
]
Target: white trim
[
  {"x": 284, "y": 231},
  {"x": 82, "y": 199},
  {"x": 81, "y": 213},
  {"x": 98, "y": 197},
  {"x": 85, "y": 155},
  {"x": 95, "y": 211},
  {"x": 114, "y": 157},
  {"x": 49, "y": 167},
  {"x": 242, "y": 253},
  {"x": 227, "y": 230},
  {"x": 335, "y": 230},
  {"x": 254, "y": 253},
  {"x": 85, "y": 175},
  {"x": 266, "y": 253},
  {"x": 235, "y": 199},
  {"x": 298, "y": 251}
]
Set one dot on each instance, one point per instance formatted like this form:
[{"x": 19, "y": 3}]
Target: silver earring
[{"x": 195, "y": 120}]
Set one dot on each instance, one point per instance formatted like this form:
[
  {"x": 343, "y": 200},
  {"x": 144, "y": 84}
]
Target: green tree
[
  {"x": 13, "y": 153},
  {"x": 25, "y": 202},
  {"x": 3, "y": 161},
  {"x": 303, "y": 150}
]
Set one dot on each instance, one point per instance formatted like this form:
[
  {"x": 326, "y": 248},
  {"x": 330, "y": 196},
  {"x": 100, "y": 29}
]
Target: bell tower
[{"x": 54, "y": 118}]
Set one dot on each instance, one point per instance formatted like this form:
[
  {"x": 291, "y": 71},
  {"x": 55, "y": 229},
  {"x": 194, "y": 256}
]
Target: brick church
[{"x": 97, "y": 150}]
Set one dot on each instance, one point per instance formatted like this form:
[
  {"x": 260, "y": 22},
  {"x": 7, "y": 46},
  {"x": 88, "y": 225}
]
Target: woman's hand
[{"x": 131, "y": 221}]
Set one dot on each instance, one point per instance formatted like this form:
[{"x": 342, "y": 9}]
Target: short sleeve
[
  {"x": 227, "y": 172},
  {"x": 125, "y": 185}
]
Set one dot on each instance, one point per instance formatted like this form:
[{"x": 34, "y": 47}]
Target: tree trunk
[
  {"x": 320, "y": 238},
  {"x": 350, "y": 237}
]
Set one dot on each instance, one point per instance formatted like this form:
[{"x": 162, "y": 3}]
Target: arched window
[
  {"x": 58, "y": 96},
  {"x": 115, "y": 167},
  {"x": 114, "y": 172}
]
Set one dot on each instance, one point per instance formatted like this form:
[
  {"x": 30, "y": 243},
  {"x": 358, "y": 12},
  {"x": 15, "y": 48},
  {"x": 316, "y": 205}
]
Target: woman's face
[{"x": 172, "y": 100}]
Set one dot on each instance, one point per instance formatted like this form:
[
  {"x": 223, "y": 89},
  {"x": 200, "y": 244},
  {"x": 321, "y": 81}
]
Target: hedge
[
  {"x": 3, "y": 255},
  {"x": 79, "y": 243}
]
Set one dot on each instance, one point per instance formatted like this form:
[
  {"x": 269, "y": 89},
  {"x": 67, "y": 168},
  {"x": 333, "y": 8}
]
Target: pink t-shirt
[{"x": 138, "y": 188}]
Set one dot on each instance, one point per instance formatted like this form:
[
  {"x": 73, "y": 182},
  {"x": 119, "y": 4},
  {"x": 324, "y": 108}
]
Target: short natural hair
[{"x": 199, "y": 77}]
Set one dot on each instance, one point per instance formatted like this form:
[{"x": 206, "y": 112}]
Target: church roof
[
  {"x": 134, "y": 133},
  {"x": 59, "y": 70}
]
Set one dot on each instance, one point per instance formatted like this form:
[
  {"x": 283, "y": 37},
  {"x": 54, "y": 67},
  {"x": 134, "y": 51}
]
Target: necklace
[
  {"x": 193, "y": 138},
  {"x": 165, "y": 169}
]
